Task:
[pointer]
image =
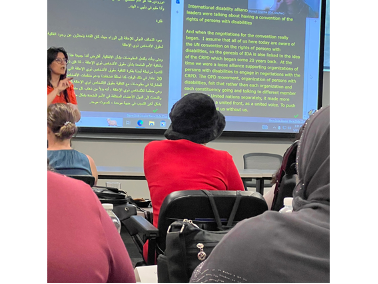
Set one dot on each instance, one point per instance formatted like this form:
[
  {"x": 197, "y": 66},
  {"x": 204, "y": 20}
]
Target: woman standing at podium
[{"x": 60, "y": 89}]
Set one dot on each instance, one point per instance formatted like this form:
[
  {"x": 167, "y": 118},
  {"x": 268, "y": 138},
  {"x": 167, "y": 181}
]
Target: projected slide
[{"x": 133, "y": 59}]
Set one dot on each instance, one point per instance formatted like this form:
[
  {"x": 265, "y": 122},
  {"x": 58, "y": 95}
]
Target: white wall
[{"x": 127, "y": 150}]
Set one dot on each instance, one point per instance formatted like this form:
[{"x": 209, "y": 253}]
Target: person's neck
[
  {"x": 54, "y": 144},
  {"x": 54, "y": 79}
]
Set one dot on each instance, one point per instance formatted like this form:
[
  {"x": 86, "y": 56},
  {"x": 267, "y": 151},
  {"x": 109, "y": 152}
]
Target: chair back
[
  {"x": 264, "y": 161},
  {"x": 195, "y": 205},
  {"x": 85, "y": 178}
]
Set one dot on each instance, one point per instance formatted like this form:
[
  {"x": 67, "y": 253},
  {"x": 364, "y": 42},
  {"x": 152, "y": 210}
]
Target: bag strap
[
  {"x": 234, "y": 209},
  {"x": 113, "y": 189},
  {"x": 183, "y": 255},
  {"x": 176, "y": 262},
  {"x": 215, "y": 209}
]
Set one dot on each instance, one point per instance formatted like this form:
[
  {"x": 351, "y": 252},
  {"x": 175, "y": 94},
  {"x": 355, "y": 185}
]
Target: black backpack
[
  {"x": 286, "y": 177},
  {"x": 123, "y": 206}
]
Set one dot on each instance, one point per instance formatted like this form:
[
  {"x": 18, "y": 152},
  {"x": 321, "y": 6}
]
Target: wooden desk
[{"x": 137, "y": 173}]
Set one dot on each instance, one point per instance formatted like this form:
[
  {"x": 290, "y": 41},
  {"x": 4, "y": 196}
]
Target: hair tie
[{"x": 67, "y": 122}]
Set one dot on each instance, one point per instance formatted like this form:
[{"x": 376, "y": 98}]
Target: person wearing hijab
[{"x": 284, "y": 247}]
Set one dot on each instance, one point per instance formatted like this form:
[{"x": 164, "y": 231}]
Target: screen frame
[{"x": 137, "y": 131}]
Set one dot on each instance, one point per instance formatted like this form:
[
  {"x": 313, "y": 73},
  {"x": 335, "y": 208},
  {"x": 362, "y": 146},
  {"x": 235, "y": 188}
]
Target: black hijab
[{"x": 313, "y": 162}]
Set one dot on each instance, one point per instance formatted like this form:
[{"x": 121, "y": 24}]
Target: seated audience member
[
  {"x": 184, "y": 162},
  {"x": 275, "y": 195},
  {"x": 83, "y": 245},
  {"x": 284, "y": 247},
  {"x": 63, "y": 159}
]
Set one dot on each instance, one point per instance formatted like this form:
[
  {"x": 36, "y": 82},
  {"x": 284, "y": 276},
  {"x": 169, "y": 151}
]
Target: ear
[{"x": 48, "y": 130}]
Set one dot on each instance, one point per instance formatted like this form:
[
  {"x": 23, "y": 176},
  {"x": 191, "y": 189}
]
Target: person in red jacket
[
  {"x": 183, "y": 161},
  {"x": 83, "y": 245}
]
